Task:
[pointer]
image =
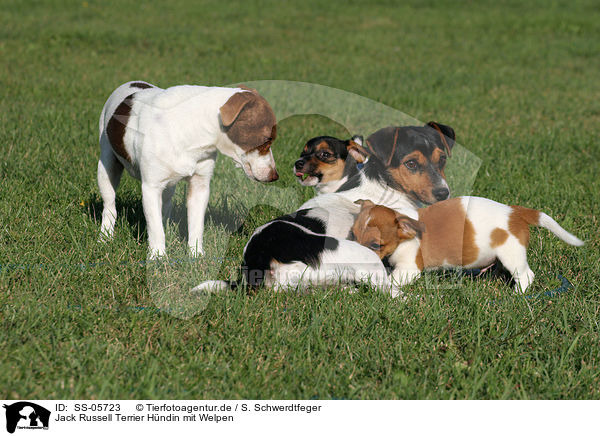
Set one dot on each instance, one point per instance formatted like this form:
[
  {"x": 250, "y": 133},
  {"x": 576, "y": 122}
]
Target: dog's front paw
[
  {"x": 196, "y": 251},
  {"x": 156, "y": 253}
]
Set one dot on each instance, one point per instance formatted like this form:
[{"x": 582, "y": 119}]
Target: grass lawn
[{"x": 517, "y": 81}]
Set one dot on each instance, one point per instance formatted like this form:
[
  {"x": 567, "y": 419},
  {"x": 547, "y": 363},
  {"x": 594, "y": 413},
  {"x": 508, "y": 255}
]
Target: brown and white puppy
[
  {"x": 164, "y": 135},
  {"x": 327, "y": 162},
  {"x": 469, "y": 232}
]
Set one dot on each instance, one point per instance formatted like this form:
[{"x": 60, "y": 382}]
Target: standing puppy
[
  {"x": 164, "y": 135},
  {"x": 468, "y": 232}
]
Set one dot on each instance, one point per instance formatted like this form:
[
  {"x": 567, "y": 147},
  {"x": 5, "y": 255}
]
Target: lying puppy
[
  {"x": 292, "y": 251},
  {"x": 327, "y": 162},
  {"x": 300, "y": 256},
  {"x": 468, "y": 232},
  {"x": 164, "y": 135}
]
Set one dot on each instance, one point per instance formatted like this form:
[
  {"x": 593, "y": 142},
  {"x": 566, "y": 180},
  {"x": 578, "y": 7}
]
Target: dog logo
[{"x": 26, "y": 415}]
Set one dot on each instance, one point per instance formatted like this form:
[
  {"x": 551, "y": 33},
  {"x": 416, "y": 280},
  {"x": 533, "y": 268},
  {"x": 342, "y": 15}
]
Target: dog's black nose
[
  {"x": 441, "y": 193},
  {"x": 299, "y": 164}
]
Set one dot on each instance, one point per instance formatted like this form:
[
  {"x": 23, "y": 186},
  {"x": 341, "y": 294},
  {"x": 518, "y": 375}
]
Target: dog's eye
[
  {"x": 375, "y": 246},
  {"x": 411, "y": 164},
  {"x": 325, "y": 155},
  {"x": 442, "y": 161}
]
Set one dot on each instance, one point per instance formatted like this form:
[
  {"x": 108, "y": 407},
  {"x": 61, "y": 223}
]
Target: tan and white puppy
[
  {"x": 468, "y": 232},
  {"x": 164, "y": 135}
]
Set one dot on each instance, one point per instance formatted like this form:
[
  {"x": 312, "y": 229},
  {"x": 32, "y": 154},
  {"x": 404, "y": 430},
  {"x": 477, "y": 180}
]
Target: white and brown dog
[
  {"x": 469, "y": 232},
  {"x": 164, "y": 135}
]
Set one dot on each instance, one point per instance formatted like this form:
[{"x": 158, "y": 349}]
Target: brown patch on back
[
  {"x": 115, "y": 129},
  {"x": 498, "y": 237},
  {"x": 519, "y": 221},
  {"x": 140, "y": 85},
  {"x": 248, "y": 121},
  {"x": 449, "y": 236}
]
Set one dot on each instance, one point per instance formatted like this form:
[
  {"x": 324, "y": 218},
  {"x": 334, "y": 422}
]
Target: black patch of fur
[
  {"x": 141, "y": 85},
  {"x": 285, "y": 243},
  {"x": 301, "y": 217}
]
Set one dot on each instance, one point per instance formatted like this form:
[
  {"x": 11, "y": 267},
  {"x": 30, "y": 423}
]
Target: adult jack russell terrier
[
  {"x": 164, "y": 135},
  {"x": 468, "y": 232}
]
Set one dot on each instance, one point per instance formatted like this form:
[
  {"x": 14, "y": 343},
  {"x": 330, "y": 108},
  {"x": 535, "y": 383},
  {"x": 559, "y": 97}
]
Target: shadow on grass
[{"x": 226, "y": 213}]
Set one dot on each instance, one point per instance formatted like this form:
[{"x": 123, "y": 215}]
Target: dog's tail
[
  {"x": 549, "y": 223},
  {"x": 537, "y": 218},
  {"x": 215, "y": 285}
]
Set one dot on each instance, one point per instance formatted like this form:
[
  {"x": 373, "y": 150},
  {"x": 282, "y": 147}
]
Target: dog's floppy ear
[
  {"x": 356, "y": 150},
  {"x": 382, "y": 144},
  {"x": 408, "y": 228},
  {"x": 364, "y": 203},
  {"x": 245, "y": 88},
  {"x": 446, "y": 133},
  {"x": 358, "y": 139},
  {"x": 230, "y": 110}
]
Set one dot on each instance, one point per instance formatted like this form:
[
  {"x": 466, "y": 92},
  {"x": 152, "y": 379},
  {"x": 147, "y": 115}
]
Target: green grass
[{"x": 518, "y": 82}]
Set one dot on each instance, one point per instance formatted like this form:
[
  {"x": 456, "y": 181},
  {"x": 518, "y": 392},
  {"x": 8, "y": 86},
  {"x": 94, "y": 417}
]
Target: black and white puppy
[{"x": 327, "y": 162}]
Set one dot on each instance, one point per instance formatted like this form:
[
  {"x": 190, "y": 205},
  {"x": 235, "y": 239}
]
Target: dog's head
[
  {"x": 412, "y": 160},
  {"x": 382, "y": 229},
  {"x": 326, "y": 160},
  {"x": 250, "y": 128}
]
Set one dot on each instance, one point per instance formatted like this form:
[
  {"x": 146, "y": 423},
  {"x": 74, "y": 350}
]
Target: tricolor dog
[
  {"x": 327, "y": 162},
  {"x": 403, "y": 168},
  {"x": 469, "y": 232},
  {"x": 164, "y": 135}
]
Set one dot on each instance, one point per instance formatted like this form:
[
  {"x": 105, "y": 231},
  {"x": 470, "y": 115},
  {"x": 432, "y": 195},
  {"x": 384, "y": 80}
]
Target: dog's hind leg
[
  {"x": 513, "y": 256},
  {"x": 109, "y": 176}
]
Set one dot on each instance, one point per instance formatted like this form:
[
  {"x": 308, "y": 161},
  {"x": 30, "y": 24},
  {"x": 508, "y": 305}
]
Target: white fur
[
  {"x": 485, "y": 215},
  {"x": 326, "y": 188},
  {"x": 348, "y": 263},
  {"x": 171, "y": 134}
]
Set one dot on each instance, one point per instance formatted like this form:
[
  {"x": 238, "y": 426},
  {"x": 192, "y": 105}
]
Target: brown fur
[
  {"x": 417, "y": 183},
  {"x": 436, "y": 157},
  {"x": 448, "y": 235},
  {"x": 115, "y": 129},
  {"x": 498, "y": 237},
  {"x": 385, "y": 227},
  {"x": 329, "y": 170},
  {"x": 419, "y": 260},
  {"x": 249, "y": 121},
  {"x": 519, "y": 221}
]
